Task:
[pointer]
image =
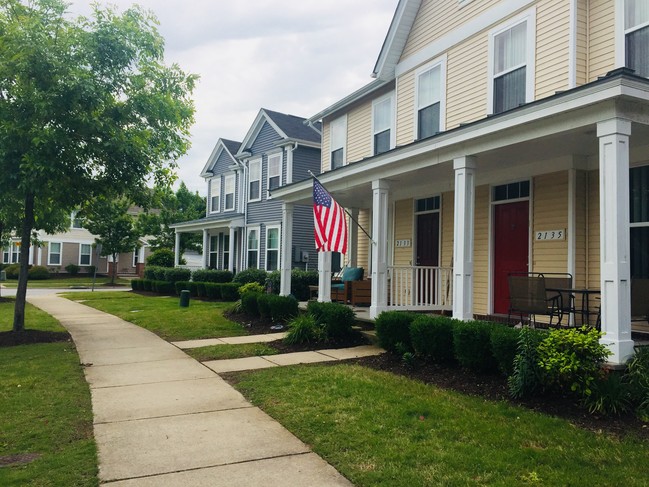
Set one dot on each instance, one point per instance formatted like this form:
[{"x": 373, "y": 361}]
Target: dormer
[{"x": 222, "y": 173}]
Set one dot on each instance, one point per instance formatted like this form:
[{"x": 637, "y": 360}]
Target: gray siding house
[{"x": 242, "y": 227}]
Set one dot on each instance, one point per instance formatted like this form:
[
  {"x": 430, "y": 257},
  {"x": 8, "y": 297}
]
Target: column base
[
  {"x": 622, "y": 350},
  {"x": 375, "y": 311}
]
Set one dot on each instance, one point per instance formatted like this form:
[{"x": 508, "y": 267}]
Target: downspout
[
  {"x": 244, "y": 233},
  {"x": 289, "y": 162}
]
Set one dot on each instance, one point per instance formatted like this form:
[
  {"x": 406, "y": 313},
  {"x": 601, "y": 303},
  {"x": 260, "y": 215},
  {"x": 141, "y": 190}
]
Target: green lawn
[
  {"x": 224, "y": 352},
  {"x": 163, "y": 316},
  {"x": 379, "y": 429},
  {"x": 63, "y": 283},
  {"x": 46, "y": 410}
]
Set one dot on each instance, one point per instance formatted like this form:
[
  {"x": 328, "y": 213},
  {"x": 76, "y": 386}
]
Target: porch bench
[
  {"x": 361, "y": 292},
  {"x": 341, "y": 289}
]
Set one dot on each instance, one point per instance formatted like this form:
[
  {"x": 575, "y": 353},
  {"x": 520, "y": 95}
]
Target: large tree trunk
[{"x": 21, "y": 292}]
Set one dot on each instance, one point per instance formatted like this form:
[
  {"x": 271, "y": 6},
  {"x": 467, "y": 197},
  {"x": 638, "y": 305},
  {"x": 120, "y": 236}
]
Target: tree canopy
[{"x": 87, "y": 108}]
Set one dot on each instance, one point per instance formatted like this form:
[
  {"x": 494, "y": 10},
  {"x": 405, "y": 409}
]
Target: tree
[
  {"x": 114, "y": 226},
  {"x": 87, "y": 106}
]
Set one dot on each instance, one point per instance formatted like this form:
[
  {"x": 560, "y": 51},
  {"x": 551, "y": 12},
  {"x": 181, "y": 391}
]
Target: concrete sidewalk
[{"x": 163, "y": 419}]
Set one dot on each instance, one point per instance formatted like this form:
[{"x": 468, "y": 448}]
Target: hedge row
[
  {"x": 278, "y": 309},
  {"x": 210, "y": 290},
  {"x": 169, "y": 274},
  {"x": 35, "y": 272}
]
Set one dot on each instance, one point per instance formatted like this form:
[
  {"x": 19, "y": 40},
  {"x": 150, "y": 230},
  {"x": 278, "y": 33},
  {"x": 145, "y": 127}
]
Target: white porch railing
[{"x": 420, "y": 288}]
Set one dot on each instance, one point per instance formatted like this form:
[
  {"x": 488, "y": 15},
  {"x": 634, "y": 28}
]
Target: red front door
[{"x": 511, "y": 248}]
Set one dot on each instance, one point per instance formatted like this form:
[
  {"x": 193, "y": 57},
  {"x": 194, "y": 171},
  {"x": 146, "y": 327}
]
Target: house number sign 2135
[{"x": 551, "y": 235}]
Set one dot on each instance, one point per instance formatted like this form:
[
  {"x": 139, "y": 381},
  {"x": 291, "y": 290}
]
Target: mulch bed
[{"x": 27, "y": 337}]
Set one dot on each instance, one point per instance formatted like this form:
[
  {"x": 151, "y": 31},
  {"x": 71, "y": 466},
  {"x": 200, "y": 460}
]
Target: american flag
[{"x": 330, "y": 222}]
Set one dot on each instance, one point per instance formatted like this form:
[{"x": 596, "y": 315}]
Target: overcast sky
[{"x": 292, "y": 56}]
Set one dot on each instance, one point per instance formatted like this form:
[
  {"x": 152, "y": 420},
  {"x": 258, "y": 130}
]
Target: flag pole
[{"x": 347, "y": 212}]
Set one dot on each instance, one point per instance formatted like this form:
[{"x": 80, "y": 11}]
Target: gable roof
[
  {"x": 231, "y": 147},
  {"x": 289, "y": 127}
]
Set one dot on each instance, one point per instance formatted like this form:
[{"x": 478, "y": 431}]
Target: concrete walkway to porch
[{"x": 163, "y": 419}]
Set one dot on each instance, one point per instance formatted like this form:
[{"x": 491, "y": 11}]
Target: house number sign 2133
[{"x": 551, "y": 235}]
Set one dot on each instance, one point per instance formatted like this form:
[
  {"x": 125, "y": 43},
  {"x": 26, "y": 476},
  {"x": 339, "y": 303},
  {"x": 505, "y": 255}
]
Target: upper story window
[
  {"x": 382, "y": 121},
  {"x": 274, "y": 171},
  {"x": 338, "y": 142},
  {"x": 636, "y": 36},
  {"x": 429, "y": 104},
  {"x": 77, "y": 221},
  {"x": 229, "y": 192},
  {"x": 511, "y": 64},
  {"x": 254, "y": 177},
  {"x": 215, "y": 195}
]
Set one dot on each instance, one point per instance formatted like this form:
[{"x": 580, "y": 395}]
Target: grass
[
  {"x": 66, "y": 282},
  {"x": 46, "y": 410},
  {"x": 35, "y": 319},
  {"x": 379, "y": 429},
  {"x": 225, "y": 352},
  {"x": 163, "y": 316}
]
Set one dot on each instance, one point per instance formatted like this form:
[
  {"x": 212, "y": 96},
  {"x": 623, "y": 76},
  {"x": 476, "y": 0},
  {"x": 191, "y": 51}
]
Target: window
[
  {"x": 226, "y": 252},
  {"x": 254, "y": 176},
  {"x": 338, "y": 135},
  {"x": 15, "y": 253},
  {"x": 511, "y": 64},
  {"x": 54, "y": 254},
  {"x": 511, "y": 191},
  {"x": 272, "y": 248},
  {"x": 136, "y": 256},
  {"x": 215, "y": 195},
  {"x": 428, "y": 204},
  {"x": 382, "y": 124},
  {"x": 429, "y": 101},
  {"x": 636, "y": 36},
  {"x": 639, "y": 212},
  {"x": 214, "y": 252},
  {"x": 77, "y": 222},
  {"x": 85, "y": 252},
  {"x": 5, "y": 255},
  {"x": 274, "y": 171},
  {"x": 253, "y": 248},
  {"x": 229, "y": 192}
]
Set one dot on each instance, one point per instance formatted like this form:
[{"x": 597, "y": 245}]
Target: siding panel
[
  {"x": 602, "y": 38},
  {"x": 550, "y": 212},
  {"x": 481, "y": 251}
]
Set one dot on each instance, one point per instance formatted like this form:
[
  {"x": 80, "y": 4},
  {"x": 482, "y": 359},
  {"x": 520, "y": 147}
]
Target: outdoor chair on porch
[
  {"x": 528, "y": 296},
  {"x": 341, "y": 290}
]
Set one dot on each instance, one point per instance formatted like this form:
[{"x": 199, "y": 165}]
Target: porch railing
[{"x": 420, "y": 288}]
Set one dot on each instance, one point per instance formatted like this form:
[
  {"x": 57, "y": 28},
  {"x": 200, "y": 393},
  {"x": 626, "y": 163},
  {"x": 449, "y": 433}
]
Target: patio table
[{"x": 585, "y": 294}]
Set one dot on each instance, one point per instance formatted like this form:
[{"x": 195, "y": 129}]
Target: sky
[{"x": 291, "y": 56}]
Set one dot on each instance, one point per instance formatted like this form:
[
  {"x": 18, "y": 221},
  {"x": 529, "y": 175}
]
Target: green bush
[
  {"x": 282, "y": 308},
  {"x": 175, "y": 274},
  {"x": 90, "y": 269},
  {"x": 525, "y": 378},
  {"x": 471, "y": 345},
  {"x": 263, "y": 305},
  {"x": 135, "y": 284},
  {"x": 147, "y": 284},
  {"x": 610, "y": 395},
  {"x": 251, "y": 287},
  {"x": 165, "y": 287},
  {"x": 304, "y": 329},
  {"x": 393, "y": 330},
  {"x": 229, "y": 291},
  {"x": 638, "y": 379},
  {"x": 504, "y": 346},
  {"x": 162, "y": 258},
  {"x": 201, "y": 292},
  {"x": 193, "y": 289},
  {"x": 38, "y": 273},
  {"x": 181, "y": 286},
  {"x": 212, "y": 290},
  {"x": 571, "y": 360},
  {"x": 249, "y": 303},
  {"x": 12, "y": 271},
  {"x": 151, "y": 272},
  {"x": 335, "y": 318},
  {"x": 251, "y": 275},
  {"x": 72, "y": 269},
  {"x": 212, "y": 275},
  {"x": 300, "y": 282},
  {"x": 432, "y": 338}
]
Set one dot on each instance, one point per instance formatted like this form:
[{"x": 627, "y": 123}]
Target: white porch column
[
  {"x": 206, "y": 248},
  {"x": 286, "y": 260},
  {"x": 231, "y": 250},
  {"x": 324, "y": 277},
  {"x": 380, "y": 209},
  {"x": 463, "y": 237},
  {"x": 352, "y": 241},
  {"x": 177, "y": 250},
  {"x": 615, "y": 237}
]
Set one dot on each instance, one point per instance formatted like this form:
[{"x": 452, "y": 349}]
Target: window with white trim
[
  {"x": 229, "y": 192},
  {"x": 215, "y": 195},
  {"x": 77, "y": 222},
  {"x": 136, "y": 256},
  {"x": 274, "y": 171},
  {"x": 253, "y": 248},
  {"x": 382, "y": 124},
  {"x": 639, "y": 195},
  {"x": 636, "y": 36},
  {"x": 85, "y": 253},
  {"x": 214, "y": 252},
  {"x": 510, "y": 74},
  {"x": 429, "y": 101},
  {"x": 55, "y": 250},
  {"x": 337, "y": 142},
  {"x": 254, "y": 177},
  {"x": 272, "y": 248},
  {"x": 5, "y": 255}
]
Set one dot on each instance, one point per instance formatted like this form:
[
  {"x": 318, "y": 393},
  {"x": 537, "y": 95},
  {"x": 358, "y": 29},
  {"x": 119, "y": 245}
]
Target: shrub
[
  {"x": 181, "y": 286},
  {"x": 91, "y": 269},
  {"x": 304, "y": 329},
  {"x": 300, "y": 282},
  {"x": 12, "y": 271},
  {"x": 251, "y": 275},
  {"x": 471, "y": 345},
  {"x": 282, "y": 308},
  {"x": 249, "y": 303},
  {"x": 638, "y": 379},
  {"x": 525, "y": 378},
  {"x": 335, "y": 318},
  {"x": 135, "y": 284},
  {"x": 273, "y": 282},
  {"x": 38, "y": 273},
  {"x": 229, "y": 291},
  {"x": 165, "y": 287},
  {"x": 504, "y": 346},
  {"x": 72, "y": 269},
  {"x": 212, "y": 275},
  {"x": 263, "y": 305},
  {"x": 162, "y": 258},
  {"x": 610, "y": 395},
  {"x": 150, "y": 272},
  {"x": 251, "y": 287},
  {"x": 175, "y": 274},
  {"x": 147, "y": 284},
  {"x": 432, "y": 338},
  {"x": 193, "y": 289},
  {"x": 212, "y": 290},
  {"x": 393, "y": 328},
  {"x": 572, "y": 359}
]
